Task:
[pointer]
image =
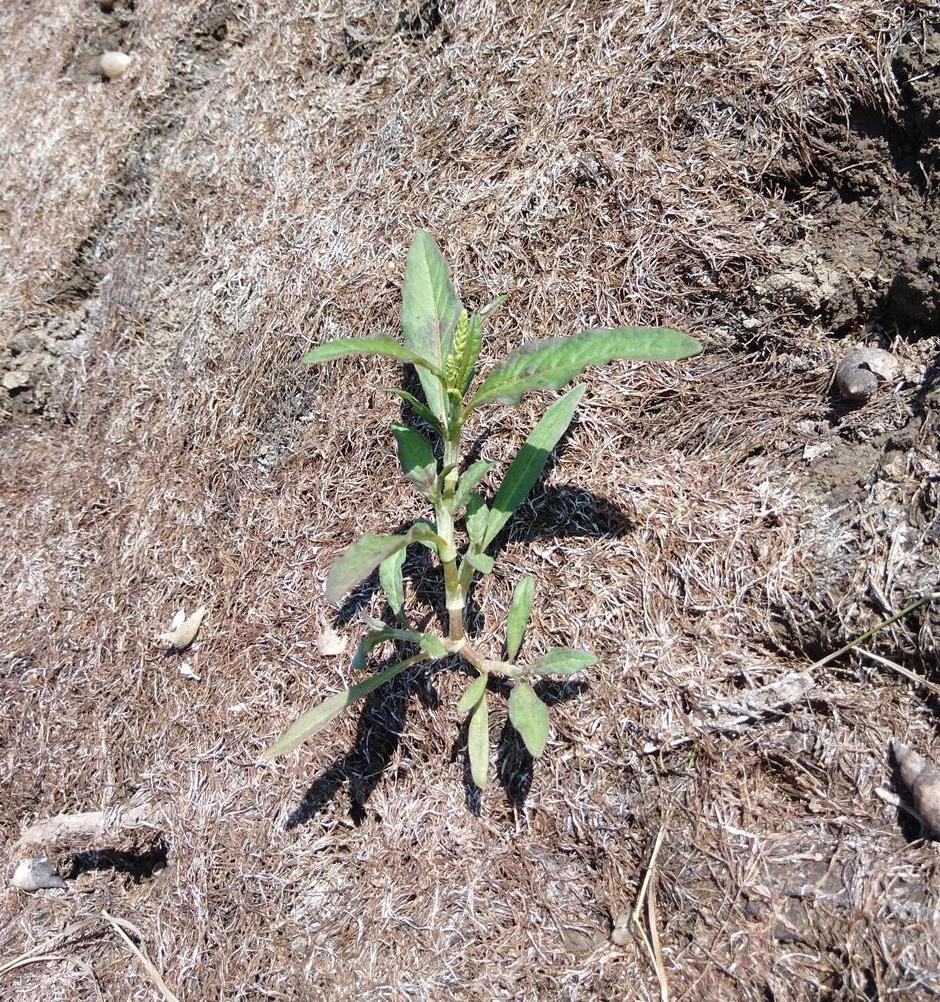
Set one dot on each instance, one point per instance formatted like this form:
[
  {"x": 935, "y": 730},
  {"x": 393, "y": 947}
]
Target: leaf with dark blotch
[
  {"x": 529, "y": 715},
  {"x": 473, "y": 695},
  {"x": 317, "y": 718},
  {"x": 518, "y": 617},
  {"x": 563, "y": 661},
  {"x": 385, "y": 346},
  {"x": 478, "y": 742},
  {"x": 527, "y": 467},
  {"x": 390, "y": 577},
  {"x": 430, "y": 313},
  {"x": 470, "y": 480},
  {"x": 552, "y": 363},
  {"x": 416, "y": 457}
]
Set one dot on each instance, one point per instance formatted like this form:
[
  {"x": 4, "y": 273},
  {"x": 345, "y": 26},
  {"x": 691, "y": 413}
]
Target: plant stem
[{"x": 453, "y": 590}]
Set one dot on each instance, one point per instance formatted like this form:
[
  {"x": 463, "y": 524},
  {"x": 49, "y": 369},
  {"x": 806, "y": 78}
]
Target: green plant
[{"x": 443, "y": 342}]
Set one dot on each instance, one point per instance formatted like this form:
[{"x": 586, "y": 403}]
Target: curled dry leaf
[
  {"x": 187, "y": 671},
  {"x": 36, "y": 875},
  {"x": 330, "y": 644},
  {"x": 921, "y": 793},
  {"x": 182, "y": 634}
]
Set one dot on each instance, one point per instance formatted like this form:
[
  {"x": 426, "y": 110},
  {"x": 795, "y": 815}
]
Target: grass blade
[
  {"x": 552, "y": 363},
  {"x": 385, "y": 346},
  {"x": 390, "y": 577},
  {"x": 518, "y": 617},
  {"x": 430, "y": 313},
  {"x": 478, "y": 742},
  {"x": 527, "y": 467},
  {"x": 563, "y": 661},
  {"x": 529, "y": 715},
  {"x": 316, "y": 719}
]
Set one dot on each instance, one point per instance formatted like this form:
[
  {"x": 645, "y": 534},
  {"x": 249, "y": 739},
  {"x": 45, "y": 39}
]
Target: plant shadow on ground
[{"x": 554, "y": 512}]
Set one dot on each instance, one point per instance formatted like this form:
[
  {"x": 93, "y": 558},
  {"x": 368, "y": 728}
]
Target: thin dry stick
[
  {"x": 930, "y": 597},
  {"x": 647, "y": 895},
  {"x": 145, "y": 961},
  {"x": 932, "y": 687}
]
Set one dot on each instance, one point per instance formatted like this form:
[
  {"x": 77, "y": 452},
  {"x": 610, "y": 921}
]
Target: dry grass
[{"x": 177, "y": 238}]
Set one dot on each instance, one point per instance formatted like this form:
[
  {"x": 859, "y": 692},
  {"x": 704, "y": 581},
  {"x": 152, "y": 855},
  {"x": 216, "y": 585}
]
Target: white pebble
[{"x": 113, "y": 64}]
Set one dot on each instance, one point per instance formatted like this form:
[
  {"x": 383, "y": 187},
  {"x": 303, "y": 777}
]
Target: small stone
[
  {"x": 36, "y": 875},
  {"x": 622, "y": 933},
  {"x": 858, "y": 374},
  {"x": 330, "y": 644},
  {"x": 113, "y": 64}
]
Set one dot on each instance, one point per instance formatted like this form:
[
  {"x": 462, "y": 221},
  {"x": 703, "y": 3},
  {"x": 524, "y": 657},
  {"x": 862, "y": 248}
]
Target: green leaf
[
  {"x": 527, "y": 467},
  {"x": 386, "y": 346},
  {"x": 478, "y": 742},
  {"x": 390, "y": 577},
  {"x": 519, "y": 616},
  {"x": 473, "y": 695},
  {"x": 358, "y": 561},
  {"x": 430, "y": 313},
  {"x": 368, "y": 642},
  {"x": 478, "y": 516},
  {"x": 563, "y": 661},
  {"x": 491, "y": 307},
  {"x": 550, "y": 364},
  {"x": 419, "y": 408},
  {"x": 416, "y": 457},
  {"x": 480, "y": 562},
  {"x": 470, "y": 480},
  {"x": 529, "y": 715},
  {"x": 317, "y": 718},
  {"x": 432, "y": 645}
]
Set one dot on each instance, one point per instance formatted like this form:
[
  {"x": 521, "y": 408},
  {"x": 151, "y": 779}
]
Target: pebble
[
  {"x": 36, "y": 875},
  {"x": 113, "y": 64}
]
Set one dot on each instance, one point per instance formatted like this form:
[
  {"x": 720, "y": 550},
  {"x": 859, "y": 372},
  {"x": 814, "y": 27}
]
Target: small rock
[
  {"x": 858, "y": 374},
  {"x": 921, "y": 786},
  {"x": 113, "y": 64},
  {"x": 811, "y": 452},
  {"x": 330, "y": 644},
  {"x": 187, "y": 671},
  {"x": 622, "y": 933},
  {"x": 183, "y": 631},
  {"x": 36, "y": 875}
]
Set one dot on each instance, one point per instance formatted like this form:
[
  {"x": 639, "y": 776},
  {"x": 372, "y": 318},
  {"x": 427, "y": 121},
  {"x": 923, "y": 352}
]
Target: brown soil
[{"x": 759, "y": 174}]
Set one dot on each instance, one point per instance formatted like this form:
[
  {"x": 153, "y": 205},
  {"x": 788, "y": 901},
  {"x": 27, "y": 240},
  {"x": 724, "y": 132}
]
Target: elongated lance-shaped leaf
[
  {"x": 478, "y": 516},
  {"x": 358, "y": 561},
  {"x": 552, "y": 363},
  {"x": 470, "y": 480},
  {"x": 473, "y": 695},
  {"x": 422, "y": 410},
  {"x": 430, "y": 313},
  {"x": 518, "y": 617},
  {"x": 529, "y": 715},
  {"x": 491, "y": 307},
  {"x": 478, "y": 742},
  {"x": 390, "y": 577},
  {"x": 386, "y": 346},
  {"x": 527, "y": 467},
  {"x": 563, "y": 661},
  {"x": 316, "y": 719},
  {"x": 432, "y": 645},
  {"x": 416, "y": 457},
  {"x": 368, "y": 642}
]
